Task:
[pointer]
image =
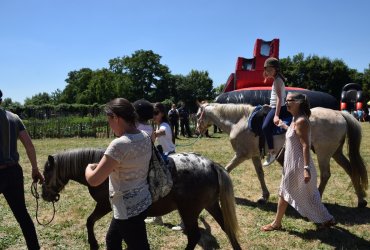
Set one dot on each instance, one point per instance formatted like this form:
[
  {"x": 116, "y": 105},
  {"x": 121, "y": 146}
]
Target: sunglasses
[{"x": 156, "y": 112}]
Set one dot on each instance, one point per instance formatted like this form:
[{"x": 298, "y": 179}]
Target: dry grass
[{"x": 67, "y": 231}]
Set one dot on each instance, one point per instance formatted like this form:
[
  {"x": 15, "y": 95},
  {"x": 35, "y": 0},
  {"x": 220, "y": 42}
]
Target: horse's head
[
  {"x": 51, "y": 187},
  {"x": 203, "y": 122}
]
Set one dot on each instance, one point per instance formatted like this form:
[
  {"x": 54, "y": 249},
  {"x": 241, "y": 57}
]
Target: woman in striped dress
[{"x": 299, "y": 185}]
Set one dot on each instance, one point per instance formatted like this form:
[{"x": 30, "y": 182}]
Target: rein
[
  {"x": 189, "y": 144},
  {"x": 37, "y": 197}
]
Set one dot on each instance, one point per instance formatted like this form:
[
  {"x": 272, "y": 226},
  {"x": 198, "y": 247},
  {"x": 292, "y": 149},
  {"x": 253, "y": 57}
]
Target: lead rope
[
  {"x": 37, "y": 197},
  {"x": 189, "y": 144}
]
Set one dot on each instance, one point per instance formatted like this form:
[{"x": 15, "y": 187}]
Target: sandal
[{"x": 270, "y": 227}]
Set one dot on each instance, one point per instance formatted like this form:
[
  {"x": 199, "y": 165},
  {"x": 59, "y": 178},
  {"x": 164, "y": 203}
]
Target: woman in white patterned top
[
  {"x": 126, "y": 162},
  {"x": 299, "y": 184}
]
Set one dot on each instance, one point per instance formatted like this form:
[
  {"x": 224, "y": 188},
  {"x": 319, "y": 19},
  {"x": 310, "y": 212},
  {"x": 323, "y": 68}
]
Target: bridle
[
  {"x": 200, "y": 120},
  {"x": 35, "y": 194}
]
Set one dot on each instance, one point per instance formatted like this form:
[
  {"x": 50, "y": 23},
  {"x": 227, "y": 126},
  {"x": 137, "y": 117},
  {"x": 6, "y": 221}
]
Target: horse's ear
[
  {"x": 51, "y": 159},
  {"x": 198, "y": 103}
]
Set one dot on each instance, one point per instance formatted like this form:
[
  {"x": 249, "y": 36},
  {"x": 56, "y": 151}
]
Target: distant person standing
[
  {"x": 11, "y": 174},
  {"x": 173, "y": 117},
  {"x": 184, "y": 120}
]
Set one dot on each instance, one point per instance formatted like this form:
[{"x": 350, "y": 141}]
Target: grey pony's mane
[
  {"x": 232, "y": 112},
  {"x": 71, "y": 163}
]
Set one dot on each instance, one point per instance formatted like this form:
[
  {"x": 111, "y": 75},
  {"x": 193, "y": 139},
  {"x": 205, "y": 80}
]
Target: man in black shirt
[
  {"x": 173, "y": 117},
  {"x": 184, "y": 121},
  {"x": 11, "y": 174}
]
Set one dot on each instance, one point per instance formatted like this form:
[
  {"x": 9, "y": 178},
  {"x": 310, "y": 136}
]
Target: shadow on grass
[
  {"x": 336, "y": 236},
  {"x": 342, "y": 214},
  {"x": 207, "y": 240}
]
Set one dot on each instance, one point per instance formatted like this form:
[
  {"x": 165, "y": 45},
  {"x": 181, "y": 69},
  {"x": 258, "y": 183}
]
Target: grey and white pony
[
  {"x": 198, "y": 183},
  {"x": 328, "y": 134}
]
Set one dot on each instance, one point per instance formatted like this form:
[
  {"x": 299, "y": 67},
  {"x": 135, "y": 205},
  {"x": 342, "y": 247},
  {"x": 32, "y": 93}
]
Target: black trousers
[
  {"x": 185, "y": 128},
  {"x": 12, "y": 187},
  {"x": 132, "y": 231},
  {"x": 175, "y": 129}
]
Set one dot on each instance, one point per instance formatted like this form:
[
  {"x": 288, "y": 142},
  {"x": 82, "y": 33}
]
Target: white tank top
[{"x": 278, "y": 83}]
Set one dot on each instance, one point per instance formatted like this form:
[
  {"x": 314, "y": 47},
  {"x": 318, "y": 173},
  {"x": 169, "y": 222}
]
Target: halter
[
  {"x": 200, "y": 119},
  {"x": 37, "y": 197}
]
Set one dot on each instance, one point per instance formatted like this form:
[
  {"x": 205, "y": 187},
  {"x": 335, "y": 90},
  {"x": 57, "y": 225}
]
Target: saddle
[{"x": 255, "y": 123}]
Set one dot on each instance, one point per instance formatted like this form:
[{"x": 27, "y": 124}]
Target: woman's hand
[
  {"x": 276, "y": 120},
  {"x": 92, "y": 165},
  {"x": 282, "y": 125},
  {"x": 307, "y": 175}
]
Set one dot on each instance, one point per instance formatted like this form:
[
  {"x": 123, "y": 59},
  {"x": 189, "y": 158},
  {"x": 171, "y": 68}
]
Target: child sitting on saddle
[{"x": 277, "y": 103}]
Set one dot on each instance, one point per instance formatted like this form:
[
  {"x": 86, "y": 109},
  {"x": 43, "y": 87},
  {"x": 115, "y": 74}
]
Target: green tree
[
  {"x": 77, "y": 83},
  {"x": 56, "y": 97},
  {"x": 197, "y": 85},
  {"x": 142, "y": 75},
  {"x": 366, "y": 84},
  {"x": 100, "y": 89},
  {"x": 38, "y": 99}
]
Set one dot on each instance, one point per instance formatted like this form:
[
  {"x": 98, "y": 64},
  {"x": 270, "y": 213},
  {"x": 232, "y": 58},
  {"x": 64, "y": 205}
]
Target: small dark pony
[{"x": 198, "y": 183}]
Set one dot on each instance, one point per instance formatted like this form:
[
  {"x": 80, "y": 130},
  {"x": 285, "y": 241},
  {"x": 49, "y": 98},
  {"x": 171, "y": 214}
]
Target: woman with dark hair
[
  {"x": 126, "y": 162},
  {"x": 278, "y": 111},
  {"x": 144, "y": 110},
  {"x": 163, "y": 133},
  {"x": 299, "y": 180}
]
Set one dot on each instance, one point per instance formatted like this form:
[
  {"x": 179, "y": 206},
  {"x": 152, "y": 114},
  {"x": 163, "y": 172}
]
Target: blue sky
[{"x": 41, "y": 41}]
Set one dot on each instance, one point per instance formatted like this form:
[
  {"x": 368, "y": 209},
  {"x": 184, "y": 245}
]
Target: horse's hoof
[
  {"x": 362, "y": 204},
  {"x": 262, "y": 201}
]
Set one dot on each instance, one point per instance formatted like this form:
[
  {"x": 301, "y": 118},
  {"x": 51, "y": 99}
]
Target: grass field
[{"x": 68, "y": 231}]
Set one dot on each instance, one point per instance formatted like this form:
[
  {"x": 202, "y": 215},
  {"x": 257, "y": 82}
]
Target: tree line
[{"x": 142, "y": 75}]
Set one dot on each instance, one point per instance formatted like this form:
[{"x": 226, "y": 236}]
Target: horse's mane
[
  {"x": 72, "y": 162},
  {"x": 232, "y": 111}
]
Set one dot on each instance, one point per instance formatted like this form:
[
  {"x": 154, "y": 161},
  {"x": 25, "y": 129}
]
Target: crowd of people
[{"x": 126, "y": 162}]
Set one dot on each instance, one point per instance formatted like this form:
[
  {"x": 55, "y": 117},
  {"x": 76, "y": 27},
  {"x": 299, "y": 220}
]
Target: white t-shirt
[
  {"x": 166, "y": 140},
  {"x": 128, "y": 186},
  {"x": 146, "y": 128},
  {"x": 278, "y": 83}
]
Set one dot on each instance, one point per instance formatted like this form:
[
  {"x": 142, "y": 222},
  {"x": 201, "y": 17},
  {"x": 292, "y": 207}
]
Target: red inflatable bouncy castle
[
  {"x": 247, "y": 84},
  {"x": 249, "y": 71}
]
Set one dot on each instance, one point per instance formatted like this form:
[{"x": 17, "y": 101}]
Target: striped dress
[{"x": 304, "y": 197}]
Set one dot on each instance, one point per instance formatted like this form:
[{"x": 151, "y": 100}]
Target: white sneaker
[
  {"x": 154, "y": 220},
  {"x": 270, "y": 158},
  {"x": 179, "y": 227}
]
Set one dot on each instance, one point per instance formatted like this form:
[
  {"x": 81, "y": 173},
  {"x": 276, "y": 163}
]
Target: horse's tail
[
  {"x": 227, "y": 200},
  {"x": 358, "y": 167}
]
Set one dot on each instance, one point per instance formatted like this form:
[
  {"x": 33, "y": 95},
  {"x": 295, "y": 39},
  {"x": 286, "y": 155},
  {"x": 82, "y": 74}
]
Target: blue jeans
[{"x": 268, "y": 124}]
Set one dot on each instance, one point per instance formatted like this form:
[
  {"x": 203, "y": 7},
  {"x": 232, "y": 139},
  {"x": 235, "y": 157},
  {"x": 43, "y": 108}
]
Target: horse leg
[
  {"x": 346, "y": 165},
  {"x": 189, "y": 216},
  {"x": 235, "y": 161},
  {"x": 100, "y": 210},
  {"x": 261, "y": 177},
  {"x": 216, "y": 212},
  {"x": 324, "y": 165}
]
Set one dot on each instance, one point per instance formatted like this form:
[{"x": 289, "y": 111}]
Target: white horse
[{"x": 328, "y": 133}]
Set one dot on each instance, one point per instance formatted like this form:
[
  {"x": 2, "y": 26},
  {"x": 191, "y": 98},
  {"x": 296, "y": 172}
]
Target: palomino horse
[
  {"x": 198, "y": 183},
  {"x": 328, "y": 133}
]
